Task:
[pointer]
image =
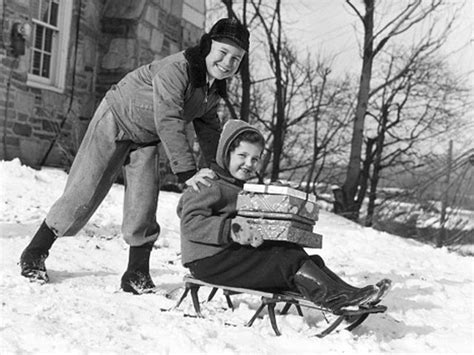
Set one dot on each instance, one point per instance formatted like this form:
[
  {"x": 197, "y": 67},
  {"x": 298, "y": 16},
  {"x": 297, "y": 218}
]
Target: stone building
[{"x": 59, "y": 57}]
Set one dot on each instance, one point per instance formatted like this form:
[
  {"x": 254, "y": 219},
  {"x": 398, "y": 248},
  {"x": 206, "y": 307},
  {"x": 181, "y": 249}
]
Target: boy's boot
[
  {"x": 136, "y": 278},
  {"x": 318, "y": 287},
  {"x": 33, "y": 257}
]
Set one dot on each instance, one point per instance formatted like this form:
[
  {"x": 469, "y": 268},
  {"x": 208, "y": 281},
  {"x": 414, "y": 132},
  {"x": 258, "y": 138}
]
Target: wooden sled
[{"x": 269, "y": 300}]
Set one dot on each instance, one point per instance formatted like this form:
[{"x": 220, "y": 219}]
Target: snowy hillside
[{"x": 430, "y": 308}]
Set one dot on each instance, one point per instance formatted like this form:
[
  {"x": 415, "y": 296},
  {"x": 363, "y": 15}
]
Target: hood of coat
[
  {"x": 231, "y": 130},
  {"x": 198, "y": 71}
]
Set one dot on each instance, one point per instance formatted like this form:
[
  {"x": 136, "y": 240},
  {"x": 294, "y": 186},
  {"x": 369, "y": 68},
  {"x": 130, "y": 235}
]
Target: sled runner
[{"x": 269, "y": 300}]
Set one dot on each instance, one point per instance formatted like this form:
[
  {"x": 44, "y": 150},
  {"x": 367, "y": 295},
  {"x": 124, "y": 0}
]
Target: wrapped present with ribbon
[
  {"x": 280, "y": 213},
  {"x": 275, "y": 198}
]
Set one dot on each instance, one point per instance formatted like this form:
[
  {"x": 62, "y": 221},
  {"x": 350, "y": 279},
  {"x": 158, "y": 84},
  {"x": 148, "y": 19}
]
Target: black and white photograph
[{"x": 236, "y": 177}]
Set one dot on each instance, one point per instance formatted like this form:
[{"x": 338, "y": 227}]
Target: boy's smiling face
[
  {"x": 244, "y": 160},
  {"x": 224, "y": 59}
]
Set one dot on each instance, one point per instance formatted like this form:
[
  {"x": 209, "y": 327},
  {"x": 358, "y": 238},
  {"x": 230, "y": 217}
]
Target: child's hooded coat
[{"x": 206, "y": 214}]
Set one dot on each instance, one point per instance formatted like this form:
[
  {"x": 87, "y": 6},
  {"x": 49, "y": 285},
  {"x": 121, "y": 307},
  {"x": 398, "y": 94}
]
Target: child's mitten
[{"x": 241, "y": 232}]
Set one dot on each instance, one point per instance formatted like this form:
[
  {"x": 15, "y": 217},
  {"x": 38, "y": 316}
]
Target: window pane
[
  {"x": 48, "y": 40},
  {"x": 46, "y": 65},
  {"x": 39, "y": 37},
  {"x": 48, "y": 51},
  {"x": 53, "y": 18},
  {"x": 36, "y": 62}
]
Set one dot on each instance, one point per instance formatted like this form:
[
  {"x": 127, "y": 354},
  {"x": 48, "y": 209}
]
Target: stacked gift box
[{"x": 280, "y": 213}]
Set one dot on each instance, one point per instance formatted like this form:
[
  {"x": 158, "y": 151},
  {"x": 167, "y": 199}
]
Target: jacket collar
[{"x": 198, "y": 71}]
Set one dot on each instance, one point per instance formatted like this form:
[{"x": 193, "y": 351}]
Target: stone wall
[
  {"x": 38, "y": 117},
  {"x": 108, "y": 38}
]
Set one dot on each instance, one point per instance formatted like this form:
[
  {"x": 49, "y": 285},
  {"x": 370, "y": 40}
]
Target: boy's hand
[
  {"x": 200, "y": 177},
  {"x": 242, "y": 234}
]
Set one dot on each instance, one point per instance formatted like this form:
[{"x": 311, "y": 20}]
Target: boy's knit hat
[{"x": 232, "y": 29}]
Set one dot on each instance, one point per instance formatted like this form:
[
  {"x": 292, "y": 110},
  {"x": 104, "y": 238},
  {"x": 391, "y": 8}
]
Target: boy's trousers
[
  {"x": 270, "y": 267},
  {"x": 95, "y": 168}
]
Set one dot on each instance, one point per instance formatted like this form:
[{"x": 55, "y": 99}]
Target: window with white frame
[{"x": 49, "y": 43}]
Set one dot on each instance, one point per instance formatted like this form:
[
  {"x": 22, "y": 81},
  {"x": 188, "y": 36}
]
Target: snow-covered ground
[{"x": 82, "y": 311}]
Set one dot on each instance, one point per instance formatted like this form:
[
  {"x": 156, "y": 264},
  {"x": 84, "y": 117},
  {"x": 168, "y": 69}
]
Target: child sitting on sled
[{"x": 218, "y": 247}]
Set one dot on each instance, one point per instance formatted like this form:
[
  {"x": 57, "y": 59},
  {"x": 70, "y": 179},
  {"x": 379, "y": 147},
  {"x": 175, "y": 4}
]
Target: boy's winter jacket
[
  {"x": 206, "y": 214},
  {"x": 155, "y": 102}
]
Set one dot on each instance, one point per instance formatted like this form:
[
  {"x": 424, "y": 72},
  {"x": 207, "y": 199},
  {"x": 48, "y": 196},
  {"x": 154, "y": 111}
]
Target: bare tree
[
  {"x": 411, "y": 14},
  {"x": 314, "y": 119},
  {"x": 331, "y": 106},
  {"x": 425, "y": 102}
]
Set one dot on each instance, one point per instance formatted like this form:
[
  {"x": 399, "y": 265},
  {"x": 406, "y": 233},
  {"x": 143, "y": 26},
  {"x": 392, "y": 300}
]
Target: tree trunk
[
  {"x": 373, "y": 187},
  {"x": 279, "y": 128},
  {"x": 278, "y": 132},
  {"x": 377, "y": 165},
  {"x": 245, "y": 101},
  {"x": 365, "y": 174},
  {"x": 350, "y": 186}
]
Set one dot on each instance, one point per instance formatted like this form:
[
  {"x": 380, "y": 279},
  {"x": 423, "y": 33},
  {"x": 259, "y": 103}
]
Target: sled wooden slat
[{"x": 269, "y": 301}]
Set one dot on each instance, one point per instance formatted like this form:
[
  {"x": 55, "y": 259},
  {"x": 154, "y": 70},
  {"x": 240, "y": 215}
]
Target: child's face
[
  {"x": 223, "y": 60},
  {"x": 244, "y": 160}
]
